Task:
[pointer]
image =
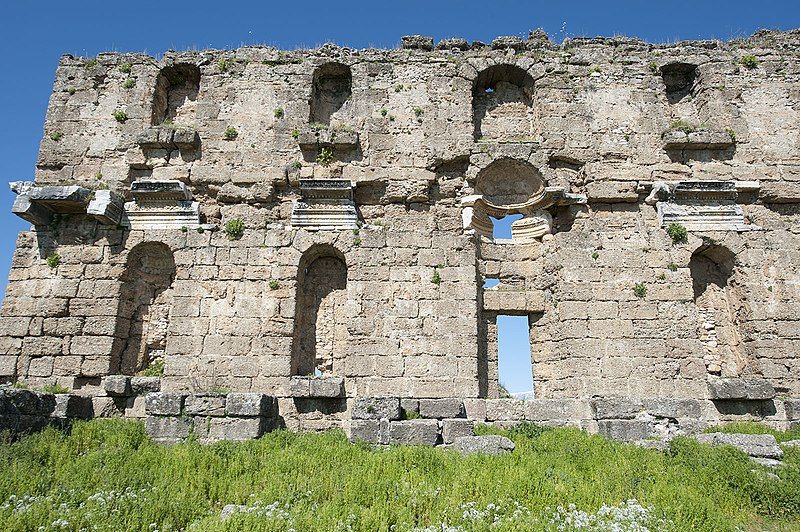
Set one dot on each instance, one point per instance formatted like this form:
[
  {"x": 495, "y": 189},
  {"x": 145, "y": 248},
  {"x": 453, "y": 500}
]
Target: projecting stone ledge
[
  {"x": 740, "y": 389},
  {"x": 314, "y": 138},
  {"x": 169, "y": 138},
  {"x": 316, "y": 387},
  {"x": 38, "y": 204},
  {"x": 676, "y": 139}
]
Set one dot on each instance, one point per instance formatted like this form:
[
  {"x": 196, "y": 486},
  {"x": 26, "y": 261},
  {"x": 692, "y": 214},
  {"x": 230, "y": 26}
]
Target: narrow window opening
[{"x": 515, "y": 361}]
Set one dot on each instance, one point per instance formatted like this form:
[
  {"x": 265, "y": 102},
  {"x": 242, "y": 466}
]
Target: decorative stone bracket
[
  {"x": 161, "y": 205},
  {"x": 325, "y": 204},
  {"x": 702, "y": 205},
  {"x": 535, "y": 223}
]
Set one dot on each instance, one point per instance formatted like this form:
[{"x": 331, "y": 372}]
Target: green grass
[
  {"x": 751, "y": 427},
  {"x": 106, "y": 475}
]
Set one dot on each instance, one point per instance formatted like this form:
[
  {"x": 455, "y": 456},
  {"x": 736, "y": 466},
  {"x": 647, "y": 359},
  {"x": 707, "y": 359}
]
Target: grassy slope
[{"x": 321, "y": 482}]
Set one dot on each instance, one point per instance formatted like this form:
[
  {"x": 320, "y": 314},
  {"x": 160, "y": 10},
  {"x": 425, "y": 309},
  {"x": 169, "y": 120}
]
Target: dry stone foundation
[{"x": 317, "y": 227}]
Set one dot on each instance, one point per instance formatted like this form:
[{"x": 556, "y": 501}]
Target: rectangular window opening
[{"x": 515, "y": 363}]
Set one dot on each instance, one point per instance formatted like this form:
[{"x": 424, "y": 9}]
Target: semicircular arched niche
[
  {"x": 502, "y": 105},
  {"x": 145, "y": 301}
]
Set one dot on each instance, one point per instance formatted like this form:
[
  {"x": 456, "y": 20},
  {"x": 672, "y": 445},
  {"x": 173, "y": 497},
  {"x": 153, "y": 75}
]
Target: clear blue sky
[{"x": 33, "y": 34}]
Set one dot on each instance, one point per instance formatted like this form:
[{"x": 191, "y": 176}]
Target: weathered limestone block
[
  {"x": 740, "y": 388},
  {"x": 250, "y": 404},
  {"x": 792, "y": 407},
  {"x": 414, "y": 432},
  {"x": 164, "y": 403},
  {"x": 117, "y": 385},
  {"x": 311, "y": 139},
  {"x": 441, "y": 408},
  {"x": 26, "y": 402},
  {"x": 505, "y": 410},
  {"x": 673, "y": 408},
  {"x": 755, "y": 445},
  {"x": 163, "y": 429},
  {"x": 106, "y": 207},
  {"x": 453, "y": 44},
  {"x": 419, "y": 42},
  {"x": 489, "y": 444},
  {"x": 456, "y": 428},
  {"x": 508, "y": 41},
  {"x": 376, "y": 408},
  {"x": 205, "y": 405}
]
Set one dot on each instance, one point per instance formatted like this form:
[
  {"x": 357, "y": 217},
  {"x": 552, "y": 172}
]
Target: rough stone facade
[{"x": 316, "y": 225}]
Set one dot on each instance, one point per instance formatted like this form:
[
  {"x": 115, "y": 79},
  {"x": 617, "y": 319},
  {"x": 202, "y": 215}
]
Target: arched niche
[
  {"x": 320, "y": 332},
  {"x": 331, "y": 88},
  {"x": 714, "y": 283},
  {"x": 502, "y": 107},
  {"x": 505, "y": 187},
  {"x": 176, "y": 86},
  {"x": 145, "y": 301},
  {"x": 679, "y": 79}
]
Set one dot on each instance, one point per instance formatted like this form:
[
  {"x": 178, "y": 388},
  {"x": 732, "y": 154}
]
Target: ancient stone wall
[{"x": 251, "y": 215}]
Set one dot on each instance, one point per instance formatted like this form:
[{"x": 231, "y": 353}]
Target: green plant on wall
[
  {"x": 640, "y": 290},
  {"x": 278, "y": 112},
  {"x": 120, "y": 116},
  {"x": 53, "y": 260},
  {"x": 56, "y": 136},
  {"x": 231, "y": 133},
  {"x": 677, "y": 233},
  {"x": 234, "y": 228},
  {"x": 325, "y": 157},
  {"x": 749, "y": 61}
]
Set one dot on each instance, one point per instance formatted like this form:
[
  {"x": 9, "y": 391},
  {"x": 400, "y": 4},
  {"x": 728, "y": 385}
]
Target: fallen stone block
[
  {"x": 164, "y": 404},
  {"x": 658, "y": 445},
  {"x": 414, "y": 432},
  {"x": 376, "y": 408},
  {"x": 70, "y": 406},
  {"x": 250, "y": 404},
  {"x": 624, "y": 429},
  {"x": 489, "y": 444},
  {"x": 168, "y": 429},
  {"x": 117, "y": 385},
  {"x": 369, "y": 430},
  {"x": 616, "y": 408},
  {"x": 143, "y": 385},
  {"x": 456, "y": 428},
  {"x": 229, "y": 510},
  {"x": 441, "y": 408},
  {"x": 755, "y": 445},
  {"x": 205, "y": 405}
]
